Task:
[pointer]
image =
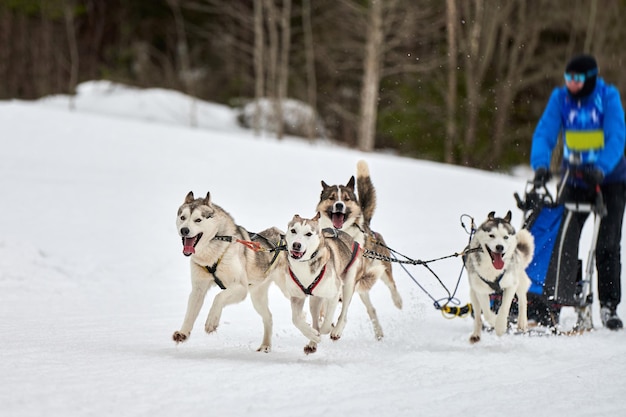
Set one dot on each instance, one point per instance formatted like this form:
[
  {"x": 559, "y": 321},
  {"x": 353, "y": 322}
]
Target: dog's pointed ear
[
  {"x": 317, "y": 216},
  {"x": 350, "y": 183},
  {"x": 189, "y": 197},
  {"x": 491, "y": 215},
  {"x": 207, "y": 199},
  {"x": 324, "y": 185},
  {"x": 508, "y": 216}
]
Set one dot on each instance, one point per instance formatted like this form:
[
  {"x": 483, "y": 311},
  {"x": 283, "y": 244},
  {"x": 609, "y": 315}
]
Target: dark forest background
[{"x": 457, "y": 81}]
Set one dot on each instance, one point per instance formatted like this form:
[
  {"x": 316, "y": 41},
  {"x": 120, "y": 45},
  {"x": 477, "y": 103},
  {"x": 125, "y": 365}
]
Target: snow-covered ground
[{"x": 93, "y": 282}]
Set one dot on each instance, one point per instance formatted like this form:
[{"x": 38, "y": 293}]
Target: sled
[{"x": 555, "y": 283}]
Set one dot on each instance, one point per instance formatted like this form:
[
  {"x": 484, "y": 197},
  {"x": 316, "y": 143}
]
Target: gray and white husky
[
  {"x": 341, "y": 208},
  {"x": 322, "y": 266},
  {"x": 213, "y": 242},
  {"x": 497, "y": 260}
]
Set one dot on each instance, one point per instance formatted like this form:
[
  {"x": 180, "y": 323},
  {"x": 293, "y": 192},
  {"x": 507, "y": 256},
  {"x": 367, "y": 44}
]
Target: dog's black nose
[
  {"x": 296, "y": 246},
  {"x": 184, "y": 231},
  {"x": 338, "y": 207},
  {"x": 499, "y": 248}
]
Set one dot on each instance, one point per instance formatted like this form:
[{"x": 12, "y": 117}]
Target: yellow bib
[{"x": 584, "y": 140}]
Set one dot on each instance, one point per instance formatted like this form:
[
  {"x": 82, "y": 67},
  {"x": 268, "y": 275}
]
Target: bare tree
[
  {"x": 477, "y": 41},
  {"x": 283, "y": 64},
  {"x": 451, "y": 96},
  {"x": 376, "y": 34},
  {"x": 68, "y": 14},
  {"x": 371, "y": 76},
  {"x": 307, "y": 29},
  {"x": 259, "y": 68},
  {"x": 185, "y": 73},
  {"x": 591, "y": 23}
]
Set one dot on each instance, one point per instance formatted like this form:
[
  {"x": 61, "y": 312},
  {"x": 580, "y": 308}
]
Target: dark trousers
[{"x": 608, "y": 247}]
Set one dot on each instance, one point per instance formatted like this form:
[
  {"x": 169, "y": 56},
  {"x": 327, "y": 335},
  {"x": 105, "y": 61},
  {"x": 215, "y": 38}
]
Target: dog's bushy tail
[
  {"x": 525, "y": 246},
  {"x": 366, "y": 191}
]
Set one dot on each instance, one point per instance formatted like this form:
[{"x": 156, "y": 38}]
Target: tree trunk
[
  {"x": 182, "y": 52},
  {"x": 259, "y": 72},
  {"x": 310, "y": 66},
  {"x": 283, "y": 65},
  {"x": 591, "y": 23},
  {"x": 371, "y": 77},
  {"x": 451, "y": 96},
  {"x": 70, "y": 30},
  {"x": 473, "y": 84},
  {"x": 272, "y": 20}
]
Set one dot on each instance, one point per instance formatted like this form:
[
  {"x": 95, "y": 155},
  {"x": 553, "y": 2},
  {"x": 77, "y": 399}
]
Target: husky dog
[
  {"x": 322, "y": 264},
  {"x": 340, "y": 208},
  {"x": 213, "y": 241},
  {"x": 497, "y": 260}
]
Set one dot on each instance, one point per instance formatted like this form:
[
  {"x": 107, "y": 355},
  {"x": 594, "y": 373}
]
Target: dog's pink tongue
[
  {"x": 497, "y": 261},
  {"x": 188, "y": 248},
  {"x": 337, "y": 220}
]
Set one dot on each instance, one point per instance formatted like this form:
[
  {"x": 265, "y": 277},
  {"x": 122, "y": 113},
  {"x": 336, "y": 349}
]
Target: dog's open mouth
[
  {"x": 296, "y": 254},
  {"x": 338, "y": 219},
  {"x": 496, "y": 259},
  {"x": 189, "y": 244}
]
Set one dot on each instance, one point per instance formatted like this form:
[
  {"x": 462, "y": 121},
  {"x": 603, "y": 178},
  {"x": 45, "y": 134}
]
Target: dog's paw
[
  {"x": 490, "y": 318},
  {"x": 397, "y": 299},
  {"x": 337, "y": 331},
  {"x": 210, "y": 326},
  {"x": 310, "y": 348},
  {"x": 378, "y": 331},
  {"x": 179, "y": 337},
  {"x": 474, "y": 339},
  {"x": 522, "y": 324},
  {"x": 501, "y": 328},
  {"x": 326, "y": 327},
  {"x": 311, "y": 334},
  {"x": 264, "y": 348}
]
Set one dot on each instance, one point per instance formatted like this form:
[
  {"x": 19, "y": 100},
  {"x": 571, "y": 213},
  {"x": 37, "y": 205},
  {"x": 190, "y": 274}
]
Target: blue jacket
[{"x": 604, "y": 100}]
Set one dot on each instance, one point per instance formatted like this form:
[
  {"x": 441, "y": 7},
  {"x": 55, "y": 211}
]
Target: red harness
[{"x": 309, "y": 290}]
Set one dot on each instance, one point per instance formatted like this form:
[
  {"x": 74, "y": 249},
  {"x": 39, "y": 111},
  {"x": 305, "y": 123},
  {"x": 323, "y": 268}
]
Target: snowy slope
[{"x": 93, "y": 281}]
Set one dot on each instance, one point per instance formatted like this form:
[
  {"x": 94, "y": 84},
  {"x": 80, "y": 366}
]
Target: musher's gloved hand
[
  {"x": 593, "y": 176},
  {"x": 542, "y": 176}
]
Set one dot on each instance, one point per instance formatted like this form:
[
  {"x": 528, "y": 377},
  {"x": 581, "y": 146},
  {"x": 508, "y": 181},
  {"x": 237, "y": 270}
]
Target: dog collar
[{"x": 223, "y": 238}]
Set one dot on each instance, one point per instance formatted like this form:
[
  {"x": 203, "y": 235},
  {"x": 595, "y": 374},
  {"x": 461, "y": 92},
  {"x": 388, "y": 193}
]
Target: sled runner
[{"x": 556, "y": 280}]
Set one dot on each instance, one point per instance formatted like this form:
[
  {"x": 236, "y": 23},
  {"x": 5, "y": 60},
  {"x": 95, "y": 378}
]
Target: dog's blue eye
[{"x": 506, "y": 237}]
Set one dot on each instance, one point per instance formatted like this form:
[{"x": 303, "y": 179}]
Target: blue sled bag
[{"x": 545, "y": 227}]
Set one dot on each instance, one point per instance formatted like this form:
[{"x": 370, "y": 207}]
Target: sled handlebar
[
  {"x": 520, "y": 203},
  {"x": 535, "y": 197},
  {"x": 599, "y": 207}
]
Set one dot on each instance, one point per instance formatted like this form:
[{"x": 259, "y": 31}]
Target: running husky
[
  {"x": 340, "y": 208},
  {"x": 497, "y": 260},
  {"x": 322, "y": 264},
  {"x": 218, "y": 258}
]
